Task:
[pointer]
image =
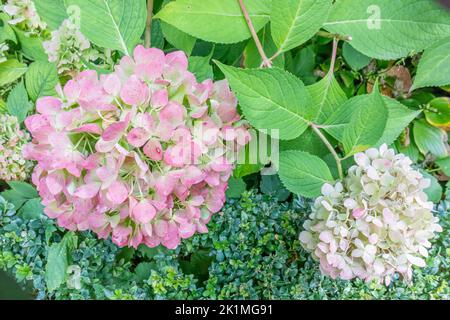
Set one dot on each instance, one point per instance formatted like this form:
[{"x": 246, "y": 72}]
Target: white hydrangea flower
[
  {"x": 68, "y": 46},
  {"x": 23, "y": 14},
  {"x": 3, "y": 48},
  {"x": 376, "y": 223}
]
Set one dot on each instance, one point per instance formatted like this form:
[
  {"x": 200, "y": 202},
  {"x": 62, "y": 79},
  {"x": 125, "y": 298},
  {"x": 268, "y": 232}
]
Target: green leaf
[
  {"x": 32, "y": 209},
  {"x": 270, "y": 99},
  {"x": 387, "y": 29},
  {"x": 57, "y": 262},
  {"x": 434, "y": 192},
  {"x": 157, "y": 35},
  {"x": 355, "y": 59},
  {"x": 113, "y": 24},
  {"x": 236, "y": 186},
  {"x": 438, "y": 112},
  {"x": 24, "y": 189},
  {"x": 6, "y": 32},
  {"x": 201, "y": 68},
  {"x": 398, "y": 119},
  {"x": 303, "y": 64},
  {"x": 429, "y": 139},
  {"x": 296, "y": 21},
  {"x": 366, "y": 126},
  {"x": 326, "y": 97},
  {"x": 11, "y": 70},
  {"x": 215, "y": 21},
  {"x": 41, "y": 79},
  {"x": 177, "y": 38},
  {"x": 32, "y": 46},
  {"x": 252, "y": 57},
  {"x": 303, "y": 173},
  {"x": 52, "y": 12},
  {"x": 18, "y": 104},
  {"x": 444, "y": 165},
  {"x": 272, "y": 185},
  {"x": 434, "y": 67},
  {"x": 307, "y": 142}
]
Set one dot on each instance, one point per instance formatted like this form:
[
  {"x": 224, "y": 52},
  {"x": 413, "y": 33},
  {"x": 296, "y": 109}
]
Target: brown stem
[
  {"x": 266, "y": 62},
  {"x": 148, "y": 28},
  {"x": 330, "y": 147}
]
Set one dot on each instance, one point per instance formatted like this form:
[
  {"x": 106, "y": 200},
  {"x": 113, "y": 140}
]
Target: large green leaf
[
  {"x": 434, "y": 67},
  {"x": 11, "y": 70},
  {"x": 41, "y": 79},
  {"x": 18, "y": 104},
  {"x": 399, "y": 118},
  {"x": 6, "y": 31},
  {"x": 444, "y": 165},
  {"x": 303, "y": 173},
  {"x": 389, "y": 29},
  {"x": 218, "y": 21},
  {"x": 52, "y": 12},
  {"x": 326, "y": 97},
  {"x": 201, "y": 67},
  {"x": 270, "y": 99},
  {"x": 434, "y": 191},
  {"x": 307, "y": 142},
  {"x": 294, "y": 22},
  {"x": 114, "y": 24},
  {"x": 429, "y": 139},
  {"x": 366, "y": 126}
]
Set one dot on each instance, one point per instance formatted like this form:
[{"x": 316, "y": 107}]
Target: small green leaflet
[
  {"x": 32, "y": 46},
  {"x": 41, "y": 79},
  {"x": 303, "y": 173},
  {"x": 18, "y": 104},
  {"x": 11, "y": 70},
  {"x": 444, "y": 165},
  {"x": 215, "y": 21},
  {"x": 293, "y": 22},
  {"x": 271, "y": 99},
  {"x": 355, "y": 59},
  {"x": 177, "y": 38},
  {"x": 236, "y": 186},
  {"x": 434, "y": 192}
]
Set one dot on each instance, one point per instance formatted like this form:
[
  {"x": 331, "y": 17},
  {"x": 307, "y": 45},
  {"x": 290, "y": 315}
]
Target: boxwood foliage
[{"x": 251, "y": 252}]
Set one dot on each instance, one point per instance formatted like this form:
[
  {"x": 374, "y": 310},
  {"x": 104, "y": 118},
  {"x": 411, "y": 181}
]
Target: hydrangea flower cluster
[
  {"x": 68, "y": 46},
  {"x": 23, "y": 14},
  {"x": 13, "y": 166},
  {"x": 376, "y": 223},
  {"x": 143, "y": 154}
]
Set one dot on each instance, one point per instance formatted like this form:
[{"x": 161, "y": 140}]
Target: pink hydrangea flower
[{"x": 142, "y": 155}]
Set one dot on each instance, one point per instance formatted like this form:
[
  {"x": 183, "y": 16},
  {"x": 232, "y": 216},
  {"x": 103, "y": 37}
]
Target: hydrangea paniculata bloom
[
  {"x": 143, "y": 154},
  {"x": 68, "y": 46},
  {"x": 376, "y": 223},
  {"x": 23, "y": 14},
  {"x": 13, "y": 166}
]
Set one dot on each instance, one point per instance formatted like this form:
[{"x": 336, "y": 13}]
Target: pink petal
[
  {"x": 48, "y": 105},
  {"x": 153, "y": 150},
  {"x": 137, "y": 137},
  {"x": 87, "y": 191},
  {"x": 143, "y": 212},
  {"x": 112, "y": 84},
  {"x": 117, "y": 193},
  {"x": 160, "y": 98},
  {"x": 114, "y": 131},
  {"x": 134, "y": 92}
]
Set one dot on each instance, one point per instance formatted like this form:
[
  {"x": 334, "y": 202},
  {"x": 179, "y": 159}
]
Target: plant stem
[
  {"x": 148, "y": 28},
  {"x": 330, "y": 147},
  {"x": 333, "y": 55},
  {"x": 266, "y": 62}
]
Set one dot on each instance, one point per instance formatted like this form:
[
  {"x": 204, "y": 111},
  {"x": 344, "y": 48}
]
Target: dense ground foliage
[
  {"x": 99, "y": 131},
  {"x": 251, "y": 252}
]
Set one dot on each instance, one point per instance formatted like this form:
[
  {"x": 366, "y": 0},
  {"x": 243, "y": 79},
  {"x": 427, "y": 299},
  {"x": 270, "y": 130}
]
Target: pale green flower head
[{"x": 376, "y": 223}]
